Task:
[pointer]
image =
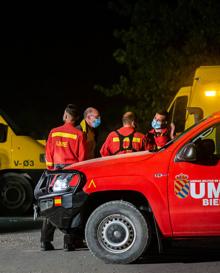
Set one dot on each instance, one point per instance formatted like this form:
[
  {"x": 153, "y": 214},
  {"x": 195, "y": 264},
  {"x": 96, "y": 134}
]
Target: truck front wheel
[
  {"x": 117, "y": 232},
  {"x": 16, "y": 194}
]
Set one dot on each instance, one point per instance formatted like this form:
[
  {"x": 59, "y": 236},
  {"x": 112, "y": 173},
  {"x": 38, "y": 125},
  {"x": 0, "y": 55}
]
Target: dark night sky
[{"x": 54, "y": 55}]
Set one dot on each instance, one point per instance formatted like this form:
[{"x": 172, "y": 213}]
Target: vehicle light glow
[{"x": 210, "y": 93}]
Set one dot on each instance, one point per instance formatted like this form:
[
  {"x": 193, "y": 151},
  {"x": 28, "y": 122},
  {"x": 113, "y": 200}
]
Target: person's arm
[
  {"x": 49, "y": 153},
  {"x": 150, "y": 142},
  {"x": 105, "y": 147},
  {"x": 144, "y": 146},
  {"x": 82, "y": 148},
  {"x": 172, "y": 130}
]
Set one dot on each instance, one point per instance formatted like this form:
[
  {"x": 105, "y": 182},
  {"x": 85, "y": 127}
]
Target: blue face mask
[
  {"x": 96, "y": 122},
  {"x": 156, "y": 124}
]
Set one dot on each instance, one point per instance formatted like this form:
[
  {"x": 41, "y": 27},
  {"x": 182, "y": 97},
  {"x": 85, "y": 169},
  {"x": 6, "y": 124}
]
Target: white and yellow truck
[
  {"x": 195, "y": 102},
  {"x": 22, "y": 161}
]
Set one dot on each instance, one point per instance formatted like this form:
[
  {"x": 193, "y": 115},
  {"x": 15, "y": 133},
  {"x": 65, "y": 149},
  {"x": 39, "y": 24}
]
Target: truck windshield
[
  {"x": 182, "y": 134},
  {"x": 17, "y": 129}
]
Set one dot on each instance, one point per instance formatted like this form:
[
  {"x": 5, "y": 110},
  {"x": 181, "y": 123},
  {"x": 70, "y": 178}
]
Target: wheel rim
[
  {"x": 116, "y": 233},
  {"x": 13, "y": 195}
]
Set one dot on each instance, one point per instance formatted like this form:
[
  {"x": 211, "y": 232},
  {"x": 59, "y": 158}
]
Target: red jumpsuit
[
  {"x": 156, "y": 140},
  {"x": 65, "y": 145},
  {"x": 125, "y": 141}
]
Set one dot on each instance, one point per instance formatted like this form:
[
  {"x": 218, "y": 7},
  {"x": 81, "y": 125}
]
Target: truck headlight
[{"x": 62, "y": 182}]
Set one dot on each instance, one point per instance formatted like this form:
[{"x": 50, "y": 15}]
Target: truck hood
[{"x": 109, "y": 163}]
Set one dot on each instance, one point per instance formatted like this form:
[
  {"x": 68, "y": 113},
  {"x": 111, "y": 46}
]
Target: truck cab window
[
  {"x": 3, "y": 132},
  {"x": 179, "y": 113},
  {"x": 209, "y": 141}
]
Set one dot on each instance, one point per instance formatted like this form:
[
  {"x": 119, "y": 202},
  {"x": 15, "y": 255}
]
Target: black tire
[
  {"x": 16, "y": 194},
  {"x": 117, "y": 232}
]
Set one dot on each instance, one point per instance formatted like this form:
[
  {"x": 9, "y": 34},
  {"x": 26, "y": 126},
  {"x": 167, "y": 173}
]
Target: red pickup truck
[{"x": 121, "y": 201}]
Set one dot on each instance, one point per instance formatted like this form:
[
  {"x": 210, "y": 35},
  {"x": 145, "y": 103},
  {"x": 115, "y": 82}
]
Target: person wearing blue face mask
[
  {"x": 161, "y": 131},
  {"x": 88, "y": 126}
]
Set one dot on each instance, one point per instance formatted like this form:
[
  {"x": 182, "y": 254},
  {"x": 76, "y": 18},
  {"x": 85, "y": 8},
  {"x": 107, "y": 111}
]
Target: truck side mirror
[
  {"x": 197, "y": 112},
  {"x": 187, "y": 153},
  {"x": 3, "y": 132}
]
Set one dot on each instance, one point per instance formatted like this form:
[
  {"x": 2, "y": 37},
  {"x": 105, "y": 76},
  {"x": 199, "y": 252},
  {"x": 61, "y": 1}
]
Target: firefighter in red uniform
[
  {"x": 125, "y": 139},
  {"x": 161, "y": 132},
  {"x": 65, "y": 145}
]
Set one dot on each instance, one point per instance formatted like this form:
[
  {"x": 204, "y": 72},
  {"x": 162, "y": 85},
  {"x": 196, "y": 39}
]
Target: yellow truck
[
  {"x": 22, "y": 161},
  {"x": 195, "y": 102}
]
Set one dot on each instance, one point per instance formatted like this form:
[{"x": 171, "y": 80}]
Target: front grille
[{"x": 46, "y": 204}]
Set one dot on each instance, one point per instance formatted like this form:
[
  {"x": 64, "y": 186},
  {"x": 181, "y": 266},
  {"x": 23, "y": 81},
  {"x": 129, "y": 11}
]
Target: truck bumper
[{"x": 61, "y": 209}]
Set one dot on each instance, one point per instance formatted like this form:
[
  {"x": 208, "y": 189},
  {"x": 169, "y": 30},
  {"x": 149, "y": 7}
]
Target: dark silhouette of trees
[{"x": 163, "y": 45}]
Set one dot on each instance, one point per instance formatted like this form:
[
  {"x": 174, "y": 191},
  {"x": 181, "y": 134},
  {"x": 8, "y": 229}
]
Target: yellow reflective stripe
[
  {"x": 67, "y": 135},
  {"x": 49, "y": 163},
  {"x": 126, "y": 139},
  {"x": 83, "y": 126},
  {"x": 136, "y": 139}
]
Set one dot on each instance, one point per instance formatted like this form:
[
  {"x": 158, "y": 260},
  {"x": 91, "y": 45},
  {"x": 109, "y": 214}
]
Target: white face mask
[{"x": 156, "y": 124}]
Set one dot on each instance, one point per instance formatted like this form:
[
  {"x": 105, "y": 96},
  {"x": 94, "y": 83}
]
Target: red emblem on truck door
[{"x": 181, "y": 186}]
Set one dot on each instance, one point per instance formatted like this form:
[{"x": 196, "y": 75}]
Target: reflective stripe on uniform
[
  {"x": 50, "y": 164},
  {"x": 115, "y": 139},
  {"x": 136, "y": 139},
  {"x": 83, "y": 126},
  {"x": 126, "y": 139},
  {"x": 67, "y": 135}
]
